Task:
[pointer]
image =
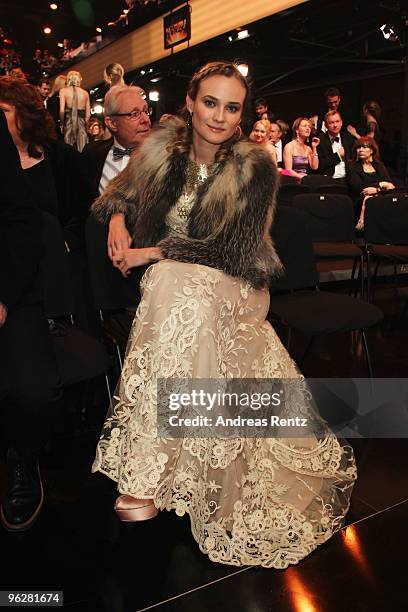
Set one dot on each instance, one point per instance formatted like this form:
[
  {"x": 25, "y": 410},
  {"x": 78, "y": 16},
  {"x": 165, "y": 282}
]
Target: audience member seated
[
  {"x": 366, "y": 175},
  {"x": 49, "y": 63},
  {"x": 95, "y": 129},
  {"x": 36, "y": 65},
  {"x": 127, "y": 116},
  {"x": 75, "y": 111},
  {"x": 298, "y": 157},
  {"x": 335, "y": 148},
  {"x": 333, "y": 100},
  {"x": 275, "y": 138},
  {"x": 260, "y": 134},
  {"x": 53, "y": 169},
  {"x": 113, "y": 75},
  {"x": 29, "y": 379},
  {"x": 66, "y": 52}
]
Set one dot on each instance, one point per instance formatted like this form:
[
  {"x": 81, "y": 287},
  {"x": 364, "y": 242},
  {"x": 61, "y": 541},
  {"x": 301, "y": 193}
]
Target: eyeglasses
[{"x": 135, "y": 114}]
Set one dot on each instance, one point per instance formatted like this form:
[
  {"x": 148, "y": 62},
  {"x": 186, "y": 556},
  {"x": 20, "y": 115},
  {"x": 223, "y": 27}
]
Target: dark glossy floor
[{"x": 79, "y": 546}]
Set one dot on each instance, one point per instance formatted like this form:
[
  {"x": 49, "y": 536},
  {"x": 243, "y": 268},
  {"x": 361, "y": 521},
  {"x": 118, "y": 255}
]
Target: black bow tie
[
  {"x": 119, "y": 153},
  {"x": 335, "y": 139}
]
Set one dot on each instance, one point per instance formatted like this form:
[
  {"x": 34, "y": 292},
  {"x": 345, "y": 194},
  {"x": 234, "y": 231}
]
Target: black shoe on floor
[{"x": 25, "y": 496}]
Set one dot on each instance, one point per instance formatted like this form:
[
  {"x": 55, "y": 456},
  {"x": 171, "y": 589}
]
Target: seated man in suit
[
  {"x": 335, "y": 147},
  {"x": 127, "y": 115},
  {"x": 275, "y": 136}
]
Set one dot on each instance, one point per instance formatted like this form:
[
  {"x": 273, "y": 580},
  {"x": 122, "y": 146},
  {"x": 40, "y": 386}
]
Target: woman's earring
[
  {"x": 190, "y": 119},
  {"x": 238, "y": 132}
]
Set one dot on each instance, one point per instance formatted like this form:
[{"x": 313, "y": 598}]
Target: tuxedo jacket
[
  {"x": 94, "y": 155},
  {"x": 20, "y": 229},
  {"x": 327, "y": 159}
]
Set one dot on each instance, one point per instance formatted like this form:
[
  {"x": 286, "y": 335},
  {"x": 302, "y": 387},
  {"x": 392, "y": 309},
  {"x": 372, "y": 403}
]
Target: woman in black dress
[{"x": 366, "y": 175}]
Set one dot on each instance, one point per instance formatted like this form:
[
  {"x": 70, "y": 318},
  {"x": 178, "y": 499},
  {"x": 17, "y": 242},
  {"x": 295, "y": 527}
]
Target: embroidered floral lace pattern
[{"x": 251, "y": 501}]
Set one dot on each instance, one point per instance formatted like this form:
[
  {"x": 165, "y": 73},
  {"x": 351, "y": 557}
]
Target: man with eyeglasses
[{"x": 127, "y": 115}]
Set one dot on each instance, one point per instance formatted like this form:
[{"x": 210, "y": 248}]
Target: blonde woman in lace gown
[{"x": 205, "y": 200}]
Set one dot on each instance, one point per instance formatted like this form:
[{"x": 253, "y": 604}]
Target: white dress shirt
[
  {"x": 112, "y": 167},
  {"x": 279, "y": 151},
  {"x": 340, "y": 168}
]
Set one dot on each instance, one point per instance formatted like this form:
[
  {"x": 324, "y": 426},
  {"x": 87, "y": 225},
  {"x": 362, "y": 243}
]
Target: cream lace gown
[{"x": 251, "y": 501}]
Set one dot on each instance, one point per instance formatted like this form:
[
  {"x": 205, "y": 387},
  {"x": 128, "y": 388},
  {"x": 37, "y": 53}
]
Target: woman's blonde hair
[
  {"x": 58, "y": 84},
  {"x": 113, "y": 74},
  {"x": 74, "y": 78}
]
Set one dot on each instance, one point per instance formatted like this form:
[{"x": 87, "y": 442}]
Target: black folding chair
[
  {"x": 112, "y": 293},
  {"x": 330, "y": 219},
  {"x": 296, "y": 299},
  {"x": 288, "y": 191},
  {"x": 385, "y": 233},
  {"x": 80, "y": 357}
]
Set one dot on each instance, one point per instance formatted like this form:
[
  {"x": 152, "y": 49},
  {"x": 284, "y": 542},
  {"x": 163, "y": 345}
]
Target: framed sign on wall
[{"x": 177, "y": 27}]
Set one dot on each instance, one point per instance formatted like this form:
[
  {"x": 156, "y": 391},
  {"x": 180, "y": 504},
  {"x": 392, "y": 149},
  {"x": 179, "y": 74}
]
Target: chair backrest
[
  {"x": 295, "y": 249},
  {"x": 333, "y": 188},
  {"x": 54, "y": 270},
  {"x": 315, "y": 181},
  {"x": 386, "y": 219},
  {"x": 287, "y": 192},
  {"x": 330, "y": 217},
  {"x": 111, "y": 291}
]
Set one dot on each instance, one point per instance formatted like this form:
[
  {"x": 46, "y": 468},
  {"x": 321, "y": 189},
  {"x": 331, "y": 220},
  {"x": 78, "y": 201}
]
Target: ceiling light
[
  {"x": 243, "y": 68},
  {"x": 98, "y": 29},
  {"x": 143, "y": 72},
  {"x": 230, "y": 38},
  {"x": 60, "y": 45},
  {"x": 388, "y": 31},
  {"x": 155, "y": 80},
  {"x": 242, "y": 34},
  {"x": 154, "y": 96},
  {"x": 53, "y": 6},
  {"x": 47, "y": 30}
]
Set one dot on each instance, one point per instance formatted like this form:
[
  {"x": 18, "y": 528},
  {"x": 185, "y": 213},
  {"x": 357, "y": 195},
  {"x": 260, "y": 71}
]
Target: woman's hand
[
  {"x": 386, "y": 185},
  {"x": 352, "y": 130},
  {"x": 369, "y": 191},
  {"x": 315, "y": 143},
  {"x": 119, "y": 238},
  {"x": 132, "y": 258}
]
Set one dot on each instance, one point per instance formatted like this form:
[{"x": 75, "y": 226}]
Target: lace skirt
[{"x": 251, "y": 501}]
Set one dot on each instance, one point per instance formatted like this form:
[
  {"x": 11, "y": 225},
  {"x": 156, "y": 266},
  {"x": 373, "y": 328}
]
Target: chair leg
[
  {"x": 367, "y": 354},
  {"x": 307, "y": 349},
  {"x": 353, "y": 272},
  {"x": 108, "y": 387}
]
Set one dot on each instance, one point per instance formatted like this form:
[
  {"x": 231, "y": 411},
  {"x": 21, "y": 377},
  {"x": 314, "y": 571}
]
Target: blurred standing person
[
  {"x": 369, "y": 125},
  {"x": 299, "y": 158},
  {"x": 53, "y": 103},
  {"x": 113, "y": 74},
  {"x": 44, "y": 89},
  {"x": 66, "y": 55},
  {"x": 75, "y": 111}
]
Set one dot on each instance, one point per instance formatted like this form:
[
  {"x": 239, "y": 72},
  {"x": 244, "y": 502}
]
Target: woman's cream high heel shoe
[{"x": 129, "y": 509}]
